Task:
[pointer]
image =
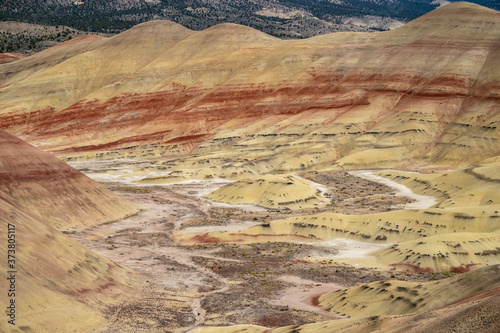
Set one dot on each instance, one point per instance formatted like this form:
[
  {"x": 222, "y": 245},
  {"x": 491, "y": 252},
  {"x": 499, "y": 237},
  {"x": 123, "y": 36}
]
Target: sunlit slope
[
  {"x": 402, "y": 297},
  {"x": 28, "y": 66},
  {"x": 470, "y": 186},
  {"x": 429, "y": 240},
  {"x": 468, "y": 193},
  {"x": 53, "y": 191},
  {"x": 427, "y": 92},
  {"x": 467, "y": 302},
  {"x": 70, "y": 71},
  {"x": 10, "y": 57},
  {"x": 456, "y": 252}
]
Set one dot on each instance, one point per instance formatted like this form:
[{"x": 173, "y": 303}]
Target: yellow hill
[
  {"x": 59, "y": 283},
  {"x": 456, "y": 252},
  {"x": 460, "y": 231},
  {"x": 270, "y": 191},
  {"x": 468, "y": 302},
  {"x": 475, "y": 185}
]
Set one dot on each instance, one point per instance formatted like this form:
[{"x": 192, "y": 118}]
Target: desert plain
[{"x": 224, "y": 180}]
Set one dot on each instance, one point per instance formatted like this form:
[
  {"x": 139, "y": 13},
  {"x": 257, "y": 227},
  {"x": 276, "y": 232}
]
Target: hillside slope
[
  {"x": 57, "y": 282},
  {"x": 401, "y": 297},
  {"x": 52, "y": 191}
]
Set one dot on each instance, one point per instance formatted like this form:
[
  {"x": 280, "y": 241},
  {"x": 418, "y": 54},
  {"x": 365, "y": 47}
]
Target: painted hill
[
  {"x": 10, "y": 57},
  {"x": 278, "y": 17},
  {"x": 270, "y": 191},
  {"x": 466, "y": 302},
  {"x": 427, "y": 92},
  {"x": 473, "y": 316},
  {"x": 57, "y": 281},
  {"x": 52, "y": 191},
  {"x": 232, "y": 102}
]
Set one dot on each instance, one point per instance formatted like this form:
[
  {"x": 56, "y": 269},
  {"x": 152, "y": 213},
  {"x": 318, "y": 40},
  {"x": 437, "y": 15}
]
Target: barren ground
[{"x": 270, "y": 284}]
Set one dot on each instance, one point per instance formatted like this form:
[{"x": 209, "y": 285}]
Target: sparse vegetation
[
  {"x": 133, "y": 189},
  {"x": 29, "y": 38}
]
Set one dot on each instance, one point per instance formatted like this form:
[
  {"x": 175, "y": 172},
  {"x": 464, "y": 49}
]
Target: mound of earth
[
  {"x": 271, "y": 191},
  {"x": 460, "y": 231},
  {"x": 476, "y": 310},
  {"x": 53, "y": 191}
]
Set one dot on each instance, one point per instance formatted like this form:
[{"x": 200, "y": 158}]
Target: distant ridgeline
[{"x": 281, "y": 18}]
